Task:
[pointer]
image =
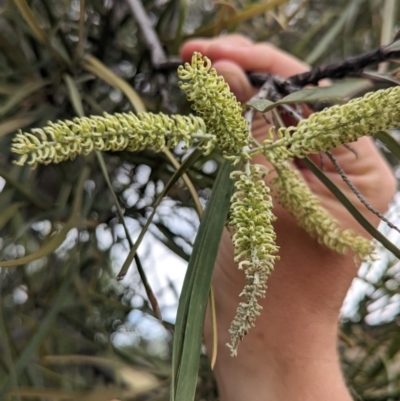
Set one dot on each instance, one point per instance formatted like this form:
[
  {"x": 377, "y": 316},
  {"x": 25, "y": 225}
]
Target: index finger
[{"x": 262, "y": 57}]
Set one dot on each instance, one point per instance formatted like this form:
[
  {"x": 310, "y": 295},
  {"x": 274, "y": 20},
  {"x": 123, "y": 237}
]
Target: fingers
[
  {"x": 233, "y": 54},
  {"x": 250, "y": 57},
  {"x": 202, "y": 45}
]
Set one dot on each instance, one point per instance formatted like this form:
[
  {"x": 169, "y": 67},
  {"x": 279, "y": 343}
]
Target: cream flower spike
[
  {"x": 295, "y": 196},
  {"x": 254, "y": 243},
  {"x": 337, "y": 125},
  {"x": 215, "y": 103},
  {"x": 134, "y": 132}
]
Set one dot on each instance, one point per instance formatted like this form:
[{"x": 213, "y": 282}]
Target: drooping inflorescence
[
  {"x": 254, "y": 243},
  {"x": 336, "y": 125},
  {"x": 65, "y": 140},
  {"x": 295, "y": 196}
]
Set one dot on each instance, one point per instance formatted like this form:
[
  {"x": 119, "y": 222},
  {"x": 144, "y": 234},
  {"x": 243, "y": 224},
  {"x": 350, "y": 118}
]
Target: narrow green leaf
[
  {"x": 6, "y": 216},
  {"x": 95, "y": 66},
  {"x": 261, "y": 105},
  {"x": 389, "y": 142},
  {"x": 39, "y": 33},
  {"x": 39, "y": 335},
  {"x": 337, "y": 90},
  {"x": 22, "y": 93},
  {"x": 253, "y": 10},
  {"x": 352, "y": 209},
  {"x": 73, "y": 94},
  {"x": 58, "y": 239},
  {"x": 389, "y": 20},
  {"x": 381, "y": 78},
  {"x": 305, "y": 41},
  {"x": 146, "y": 284},
  {"x": 14, "y": 124},
  {"x": 393, "y": 47},
  {"x": 31, "y": 20},
  {"x": 178, "y": 173},
  {"x": 7, "y": 357},
  {"x": 324, "y": 44},
  {"x": 196, "y": 288},
  {"x": 308, "y": 95},
  {"x": 81, "y": 35},
  {"x": 8, "y": 89},
  {"x": 182, "y": 12},
  {"x": 45, "y": 250},
  {"x": 14, "y": 53},
  {"x": 169, "y": 242},
  {"x": 189, "y": 184},
  {"x": 166, "y": 20},
  {"x": 76, "y": 102},
  {"x": 41, "y": 201}
]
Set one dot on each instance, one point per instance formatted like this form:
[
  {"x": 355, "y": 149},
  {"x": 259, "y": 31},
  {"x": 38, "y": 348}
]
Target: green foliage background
[{"x": 60, "y": 313}]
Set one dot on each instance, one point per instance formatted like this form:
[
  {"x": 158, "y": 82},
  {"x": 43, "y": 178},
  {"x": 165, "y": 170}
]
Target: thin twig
[
  {"x": 351, "y": 149},
  {"x": 358, "y": 194},
  {"x": 321, "y": 161},
  {"x": 81, "y": 33},
  {"x": 291, "y": 111},
  {"x": 157, "y": 53},
  {"x": 150, "y": 37}
]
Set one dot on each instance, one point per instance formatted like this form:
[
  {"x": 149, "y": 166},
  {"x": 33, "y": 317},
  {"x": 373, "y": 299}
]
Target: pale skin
[{"x": 291, "y": 353}]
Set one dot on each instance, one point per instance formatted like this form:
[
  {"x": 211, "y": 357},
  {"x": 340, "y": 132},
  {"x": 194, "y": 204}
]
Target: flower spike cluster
[
  {"x": 215, "y": 103},
  {"x": 255, "y": 246},
  {"x": 220, "y": 122},
  {"x": 295, "y": 196},
  {"x": 336, "y": 125},
  {"x": 67, "y": 139}
]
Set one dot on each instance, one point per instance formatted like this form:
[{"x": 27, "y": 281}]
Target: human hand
[{"x": 293, "y": 345}]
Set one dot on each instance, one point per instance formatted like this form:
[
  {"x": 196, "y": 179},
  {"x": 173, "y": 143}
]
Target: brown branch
[{"x": 350, "y": 67}]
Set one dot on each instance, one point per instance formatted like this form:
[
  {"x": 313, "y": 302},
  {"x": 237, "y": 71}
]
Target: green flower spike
[
  {"x": 294, "y": 194},
  {"x": 337, "y": 125},
  {"x": 214, "y": 102},
  {"x": 254, "y": 243},
  {"x": 67, "y": 139}
]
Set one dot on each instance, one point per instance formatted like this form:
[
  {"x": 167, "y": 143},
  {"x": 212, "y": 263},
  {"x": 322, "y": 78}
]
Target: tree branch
[
  {"x": 150, "y": 36},
  {"x": 157, "y": 54}
]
